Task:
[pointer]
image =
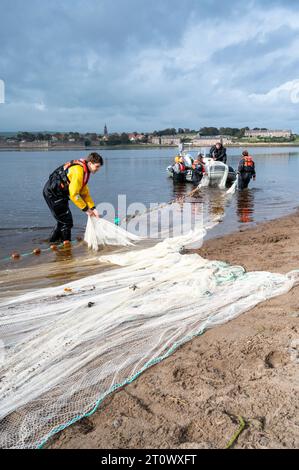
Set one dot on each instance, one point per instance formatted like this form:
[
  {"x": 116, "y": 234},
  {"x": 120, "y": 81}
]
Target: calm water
[{"x": 25, "y": 220}]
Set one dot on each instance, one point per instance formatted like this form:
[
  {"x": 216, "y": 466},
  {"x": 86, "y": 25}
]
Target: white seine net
[
  {"x": 65, "y": 351},
  {"x": 101, "y": 233}
]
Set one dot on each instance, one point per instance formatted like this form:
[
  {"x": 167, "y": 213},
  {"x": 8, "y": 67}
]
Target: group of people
[
  {"x": 69, "y": 182},
  {"x": 181, "y": 163},
  {"x": 246, "y": 167}
]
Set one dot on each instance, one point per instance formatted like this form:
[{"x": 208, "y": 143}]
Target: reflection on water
[
  {"x": 245, "y": 206},
  {"x": 217, "y": 203},
  {"x": 211, "y": 199},
  {"x": 180, "y": 190}
]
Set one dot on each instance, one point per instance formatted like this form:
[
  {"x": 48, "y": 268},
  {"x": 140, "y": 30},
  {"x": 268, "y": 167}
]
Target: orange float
[
  {"x": 37, "y": 251},
  {"x": 15, "y": 255}
]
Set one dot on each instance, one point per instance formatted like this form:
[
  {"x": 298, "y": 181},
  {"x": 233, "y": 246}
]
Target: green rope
[
  {"x": 128, "y": 380},
  {"x": 61, "y": 245},
  {"x": 237, "y": 434},
  {"x": 232, "y": 274},
  {"x": 115, "y": 387}
]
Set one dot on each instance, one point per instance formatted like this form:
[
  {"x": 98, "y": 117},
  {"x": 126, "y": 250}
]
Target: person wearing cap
[
  {"x": 246, "y": 170},
  {"x": 69, "y": 182},
  {"x": 218, "y": 153}
]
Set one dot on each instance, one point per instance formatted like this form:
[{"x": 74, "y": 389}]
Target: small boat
[{"x": 218, "y": 173}]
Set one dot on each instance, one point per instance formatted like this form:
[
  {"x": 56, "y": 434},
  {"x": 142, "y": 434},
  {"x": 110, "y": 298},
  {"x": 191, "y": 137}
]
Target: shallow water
[{"x": 25, "y": 221}]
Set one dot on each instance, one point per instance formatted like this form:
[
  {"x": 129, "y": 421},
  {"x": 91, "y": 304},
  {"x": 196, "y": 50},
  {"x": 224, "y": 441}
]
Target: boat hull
[{"x": 193, "y": 177}]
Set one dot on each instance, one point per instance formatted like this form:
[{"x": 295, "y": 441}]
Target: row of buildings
[
  {"x": 198, "y": 141},
  {"x": 201, "y": 141},
  {"x": 76, "y": 140},
  {"x": 266, "y": 133}
]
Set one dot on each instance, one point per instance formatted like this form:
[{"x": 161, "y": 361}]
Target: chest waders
[{"x": 56, "y": 194}]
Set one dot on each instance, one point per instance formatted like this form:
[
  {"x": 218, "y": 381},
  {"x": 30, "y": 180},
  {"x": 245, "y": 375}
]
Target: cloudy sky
[{"x": 144, "y": 65}]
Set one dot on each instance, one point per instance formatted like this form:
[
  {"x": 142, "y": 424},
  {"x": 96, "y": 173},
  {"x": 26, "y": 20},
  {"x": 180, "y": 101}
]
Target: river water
[{"x": 139, "y": 174}]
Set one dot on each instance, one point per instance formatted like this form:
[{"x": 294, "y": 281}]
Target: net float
[
  {"x": 15, "y": 255},
  {"x": 53, "y": 247},
  {"x": 37, "y": 251}
]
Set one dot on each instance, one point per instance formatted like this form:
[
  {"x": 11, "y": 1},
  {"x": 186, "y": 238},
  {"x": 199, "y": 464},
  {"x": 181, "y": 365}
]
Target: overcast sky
[{"x": 148, "y": 64}]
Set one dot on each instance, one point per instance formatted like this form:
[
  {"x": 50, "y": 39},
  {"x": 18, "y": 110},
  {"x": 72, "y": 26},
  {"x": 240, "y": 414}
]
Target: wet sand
[{"x": 246, "y": 368}]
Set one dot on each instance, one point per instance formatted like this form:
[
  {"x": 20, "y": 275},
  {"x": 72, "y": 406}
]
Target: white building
[
  {"x": 208, "y": 141},
  {"x": 165, "y": 140},
  {"x": 268, "y": 133}
]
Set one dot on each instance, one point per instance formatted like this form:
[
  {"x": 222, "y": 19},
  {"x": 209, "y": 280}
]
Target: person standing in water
[
  {"x": 246, "y": 170},
  {"x": 69, "y": 182}
]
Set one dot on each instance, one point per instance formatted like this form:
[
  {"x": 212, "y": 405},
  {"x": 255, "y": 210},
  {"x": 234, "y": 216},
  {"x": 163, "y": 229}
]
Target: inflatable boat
[{"x": 218, "y": 173}]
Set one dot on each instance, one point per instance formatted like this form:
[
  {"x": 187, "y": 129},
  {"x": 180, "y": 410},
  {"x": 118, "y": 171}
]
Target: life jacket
[
  {"x": 197, "y": 165},
  {"x": 59, "y": 180},
  {"x": 247, "y": 165},
  {"x": 179, "y": 168},
  {"x": 248, "y": 162}
]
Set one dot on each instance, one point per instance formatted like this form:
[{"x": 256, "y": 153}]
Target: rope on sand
[{"x": 237, "y": 434}]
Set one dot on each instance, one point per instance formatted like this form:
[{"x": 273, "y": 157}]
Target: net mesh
[{"x": 68, "y": 347}]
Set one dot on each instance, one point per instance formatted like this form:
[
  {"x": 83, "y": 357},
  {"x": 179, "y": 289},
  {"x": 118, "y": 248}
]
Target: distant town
[{"x": 203, "y": 137}]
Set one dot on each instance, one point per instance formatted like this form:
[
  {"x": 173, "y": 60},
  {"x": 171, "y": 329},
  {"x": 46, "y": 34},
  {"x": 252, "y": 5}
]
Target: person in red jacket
[{"x": 246, "y": 170}]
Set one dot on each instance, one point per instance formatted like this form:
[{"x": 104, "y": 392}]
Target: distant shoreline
[{"x": 141, "y": 146}]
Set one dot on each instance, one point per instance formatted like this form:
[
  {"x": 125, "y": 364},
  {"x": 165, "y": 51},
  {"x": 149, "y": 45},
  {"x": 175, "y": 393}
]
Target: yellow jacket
[{"x": 78, "y": 195}]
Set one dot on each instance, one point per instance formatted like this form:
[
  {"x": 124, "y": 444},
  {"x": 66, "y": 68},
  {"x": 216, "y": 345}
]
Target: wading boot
[{"x": 55, "y": 236}]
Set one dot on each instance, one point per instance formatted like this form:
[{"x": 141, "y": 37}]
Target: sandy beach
[
  {"x": 149, "y": 228},
  {"x": 246, "y": 368}
]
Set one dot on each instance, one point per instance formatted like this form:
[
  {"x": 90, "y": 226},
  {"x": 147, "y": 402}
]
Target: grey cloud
[{"x": 89, "y": 61}]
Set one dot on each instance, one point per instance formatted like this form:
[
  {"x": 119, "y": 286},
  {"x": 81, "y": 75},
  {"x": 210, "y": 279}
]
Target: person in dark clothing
[
  {"x": 246, "y": 171},
  {"x": 198, "y": 169},
  {"x": 69, "y": 181},
  {"x": 218, "y": 153}
]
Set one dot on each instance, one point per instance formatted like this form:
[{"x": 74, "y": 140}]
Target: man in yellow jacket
[{"x": 69, "y": 181}]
